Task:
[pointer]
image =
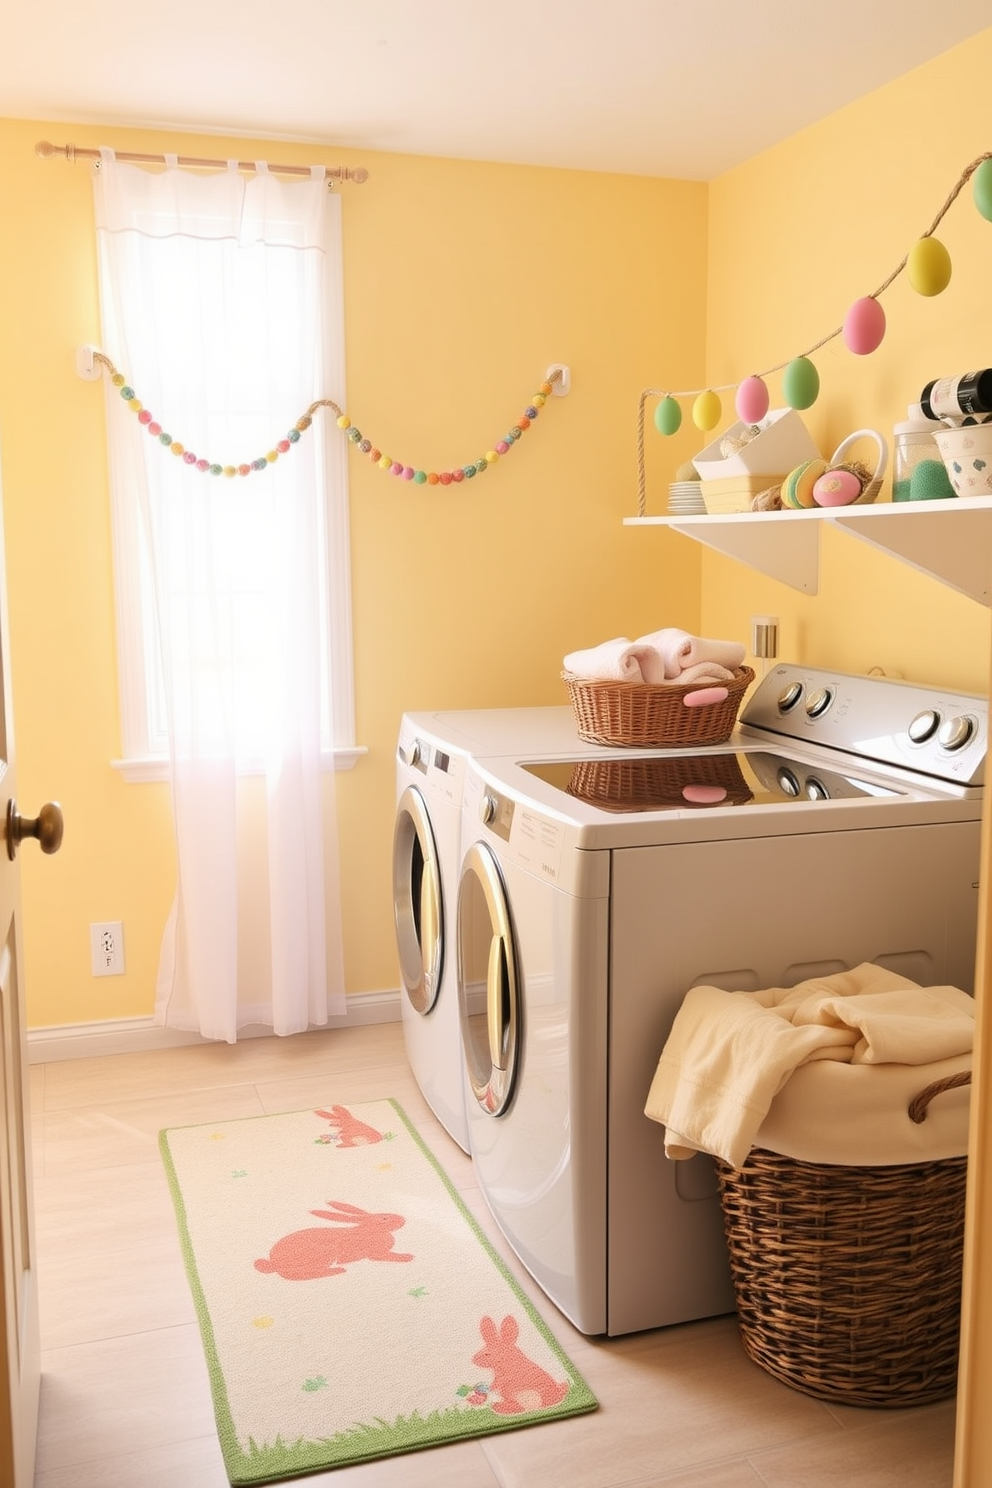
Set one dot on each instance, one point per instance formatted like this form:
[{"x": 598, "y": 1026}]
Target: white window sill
[{"x": 156, "y": 766}]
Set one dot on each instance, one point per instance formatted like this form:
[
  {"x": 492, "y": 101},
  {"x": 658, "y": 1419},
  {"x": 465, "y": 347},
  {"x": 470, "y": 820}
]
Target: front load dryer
[{"x": 431, "y": 757}]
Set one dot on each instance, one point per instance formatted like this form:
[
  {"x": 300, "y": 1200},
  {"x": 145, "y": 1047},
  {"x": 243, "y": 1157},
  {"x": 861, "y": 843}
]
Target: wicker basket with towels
[
  {"x": 842, "y": 1167},
  {"x": 667, "y": 689}
]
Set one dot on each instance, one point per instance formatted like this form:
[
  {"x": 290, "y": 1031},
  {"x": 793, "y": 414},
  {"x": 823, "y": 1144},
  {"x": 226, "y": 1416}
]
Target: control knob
[
  {"x": 412, "y": 753},
  {"x": 488, "y": 807},
  {"x": 924, "y": 725},
  {"x": 818, "y": 702},
  {"x": 955, "y": 733}
]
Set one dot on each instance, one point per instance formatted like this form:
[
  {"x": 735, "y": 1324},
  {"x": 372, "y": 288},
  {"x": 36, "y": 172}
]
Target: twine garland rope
[
  {"x": 647, "y": 393},
  {"x": 455, "y": 475}
]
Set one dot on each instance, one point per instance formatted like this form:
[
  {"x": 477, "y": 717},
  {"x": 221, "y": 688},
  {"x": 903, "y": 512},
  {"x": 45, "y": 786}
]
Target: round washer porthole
[
  {"x": 417, "y": 903},
  {"x": 488, "y": 981}
]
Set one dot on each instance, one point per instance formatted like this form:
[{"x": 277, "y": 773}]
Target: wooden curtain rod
[{"x": 357, "y": 173}]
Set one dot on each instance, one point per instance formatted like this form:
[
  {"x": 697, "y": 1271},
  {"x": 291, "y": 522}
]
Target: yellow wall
[
  {"x": 463, "y": 283},
  {"x": 796, "y": 235}
]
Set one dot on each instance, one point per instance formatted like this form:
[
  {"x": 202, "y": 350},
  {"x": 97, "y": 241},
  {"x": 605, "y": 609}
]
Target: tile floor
[{"x": 125, "y": 1400}]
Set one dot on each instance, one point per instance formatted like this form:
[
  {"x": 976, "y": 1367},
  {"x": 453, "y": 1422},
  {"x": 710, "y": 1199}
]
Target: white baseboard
[{"x": 135, "y": 1035}]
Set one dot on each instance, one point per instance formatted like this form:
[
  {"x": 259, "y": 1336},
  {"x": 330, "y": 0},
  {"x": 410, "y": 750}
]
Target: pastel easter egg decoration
[
  {"x": 752, "y": 400},
  {"x": 836, "y": 488},
  {"x": 864, "y": 326},
  {"x": 800, "y": 383},
  {"x": 928, "y": 266},
  {"x": 797, "y": 488},
  {"x": 667, "y": 416},
  {"x": 687, "y": 472},
  {"x": 981, "y": 189},
  {"x": 706, "y": 410}
]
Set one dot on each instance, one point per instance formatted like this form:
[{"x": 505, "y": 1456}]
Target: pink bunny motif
[
  {"x": 521, "y": 1384},
  {"x": 307, "y": 1255},
  {"x": 348, "y": 1129}
]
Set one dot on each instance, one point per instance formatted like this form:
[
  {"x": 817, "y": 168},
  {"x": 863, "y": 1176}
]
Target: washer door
[
  {"x": 417, "y": 904},
  {"x": 488, "y": 981}
]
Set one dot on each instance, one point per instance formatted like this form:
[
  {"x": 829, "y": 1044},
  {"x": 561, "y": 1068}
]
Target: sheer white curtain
[{"x": 212, "y": 291}]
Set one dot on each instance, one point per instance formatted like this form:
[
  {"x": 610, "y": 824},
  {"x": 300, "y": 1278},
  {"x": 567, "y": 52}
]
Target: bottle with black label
[{"x": 952, "y": 397}]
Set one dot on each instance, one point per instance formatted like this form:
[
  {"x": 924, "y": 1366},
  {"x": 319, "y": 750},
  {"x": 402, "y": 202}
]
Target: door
[
  {"x": 488, "y": 981},
  {"x": 20, "y": 1363},
  {"x": 417, "y": 902}
]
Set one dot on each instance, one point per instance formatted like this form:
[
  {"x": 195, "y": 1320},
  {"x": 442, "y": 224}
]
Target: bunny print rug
[{"x": 350, "y": 1307}]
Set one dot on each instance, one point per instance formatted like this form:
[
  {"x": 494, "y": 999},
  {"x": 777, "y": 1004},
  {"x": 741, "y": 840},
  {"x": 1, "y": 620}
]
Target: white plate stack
[{"x": 685, "y": 498}]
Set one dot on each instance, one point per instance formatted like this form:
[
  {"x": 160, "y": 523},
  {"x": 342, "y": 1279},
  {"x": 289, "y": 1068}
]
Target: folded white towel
[
  {"x": 665, "y": 656},
  {"x": 676, "y": 650},
  {"x": 612, "y": 661},
  {"x": 730, "y": 1053}
]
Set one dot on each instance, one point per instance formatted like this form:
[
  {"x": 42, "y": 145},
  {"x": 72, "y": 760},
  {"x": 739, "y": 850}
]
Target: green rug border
[{"x": 344, "y": 1449}]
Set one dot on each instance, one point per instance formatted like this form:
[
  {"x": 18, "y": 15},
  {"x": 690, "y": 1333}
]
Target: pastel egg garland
[
  {"x": 928, "y": 266},
  {"x": 283, "y": 446}
]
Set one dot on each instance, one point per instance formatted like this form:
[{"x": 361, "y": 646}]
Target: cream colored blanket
[{"x": 730, "y": 1054}]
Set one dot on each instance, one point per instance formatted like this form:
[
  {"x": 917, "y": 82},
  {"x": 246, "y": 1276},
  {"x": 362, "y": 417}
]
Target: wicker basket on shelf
[
  {"x": 640, "y": 714},
  {"x": 848, "y": 1279}
]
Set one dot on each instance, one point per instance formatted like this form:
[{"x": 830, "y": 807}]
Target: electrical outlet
[{"x": 107, "y": 948}]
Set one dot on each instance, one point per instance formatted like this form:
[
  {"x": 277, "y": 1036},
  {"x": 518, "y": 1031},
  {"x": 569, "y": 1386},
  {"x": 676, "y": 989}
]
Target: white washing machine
[
  {"x": 841, "y": 824},
  {"x": 431, "y": 756}
]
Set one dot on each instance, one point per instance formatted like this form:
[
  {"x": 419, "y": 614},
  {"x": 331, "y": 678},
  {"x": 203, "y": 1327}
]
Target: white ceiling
[{"x": 678, "y": 88}]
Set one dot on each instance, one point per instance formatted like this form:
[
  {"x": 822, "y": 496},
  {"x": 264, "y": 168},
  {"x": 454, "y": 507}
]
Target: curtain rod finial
[
  {"x": 45, "y": 150},
  {"x": 87, "y": 366}
]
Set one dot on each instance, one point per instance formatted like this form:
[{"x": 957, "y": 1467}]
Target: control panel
[{"x": 934, "y": 731}]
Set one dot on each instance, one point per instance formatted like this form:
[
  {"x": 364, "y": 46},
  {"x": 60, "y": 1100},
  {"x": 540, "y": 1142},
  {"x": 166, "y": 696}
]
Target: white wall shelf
[{"x": 949, "y": 540}]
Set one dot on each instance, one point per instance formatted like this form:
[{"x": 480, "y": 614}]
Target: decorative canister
[
  {"x": 918, "y": 472},
  {"x": 967, "y": 454}
]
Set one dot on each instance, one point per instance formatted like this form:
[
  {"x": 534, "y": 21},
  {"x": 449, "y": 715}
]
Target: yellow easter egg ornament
[
  {"x": 928, "y": 266},
  {"x": 706, "y": 411}
]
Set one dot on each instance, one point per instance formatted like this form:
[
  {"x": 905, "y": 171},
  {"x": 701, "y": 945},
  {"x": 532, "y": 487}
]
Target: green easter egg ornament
[
  {"x": 667, "y": 416},
  {"x": 706, "y": 411},
  {"x": 800, "y": 383},
  {"x": 928, "y": 266},
  {"x": 981, "y": 189}
]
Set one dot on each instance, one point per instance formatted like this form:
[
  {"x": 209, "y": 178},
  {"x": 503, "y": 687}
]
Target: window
[{"x": 212, "y": 295}]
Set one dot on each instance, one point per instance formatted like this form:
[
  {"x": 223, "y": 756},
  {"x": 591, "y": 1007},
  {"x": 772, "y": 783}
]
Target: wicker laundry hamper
[
  {"x": 643, "y": 714},
  {"x": 848, "y": 1279}
]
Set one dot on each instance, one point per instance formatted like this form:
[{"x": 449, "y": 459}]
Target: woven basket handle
[
  {"x": 918, "y": 1105},
  {"x": 880, "y": 446}
]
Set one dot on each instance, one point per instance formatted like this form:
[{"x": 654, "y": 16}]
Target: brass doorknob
[{"x": 46, "y": 827}]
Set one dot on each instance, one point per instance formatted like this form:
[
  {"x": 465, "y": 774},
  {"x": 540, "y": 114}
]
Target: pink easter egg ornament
[
  {"x": 751, "y": 402},
  {"x": 864, "y": 326}
]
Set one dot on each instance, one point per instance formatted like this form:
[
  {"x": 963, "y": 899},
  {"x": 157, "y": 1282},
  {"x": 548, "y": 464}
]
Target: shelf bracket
[
  {"x": 951, "y": 543},
  {"x": 786, "y": 548}
]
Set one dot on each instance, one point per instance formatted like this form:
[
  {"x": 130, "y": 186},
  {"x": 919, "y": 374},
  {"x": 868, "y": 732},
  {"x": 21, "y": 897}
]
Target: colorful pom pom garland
[{"x": 365, "y": 446}]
